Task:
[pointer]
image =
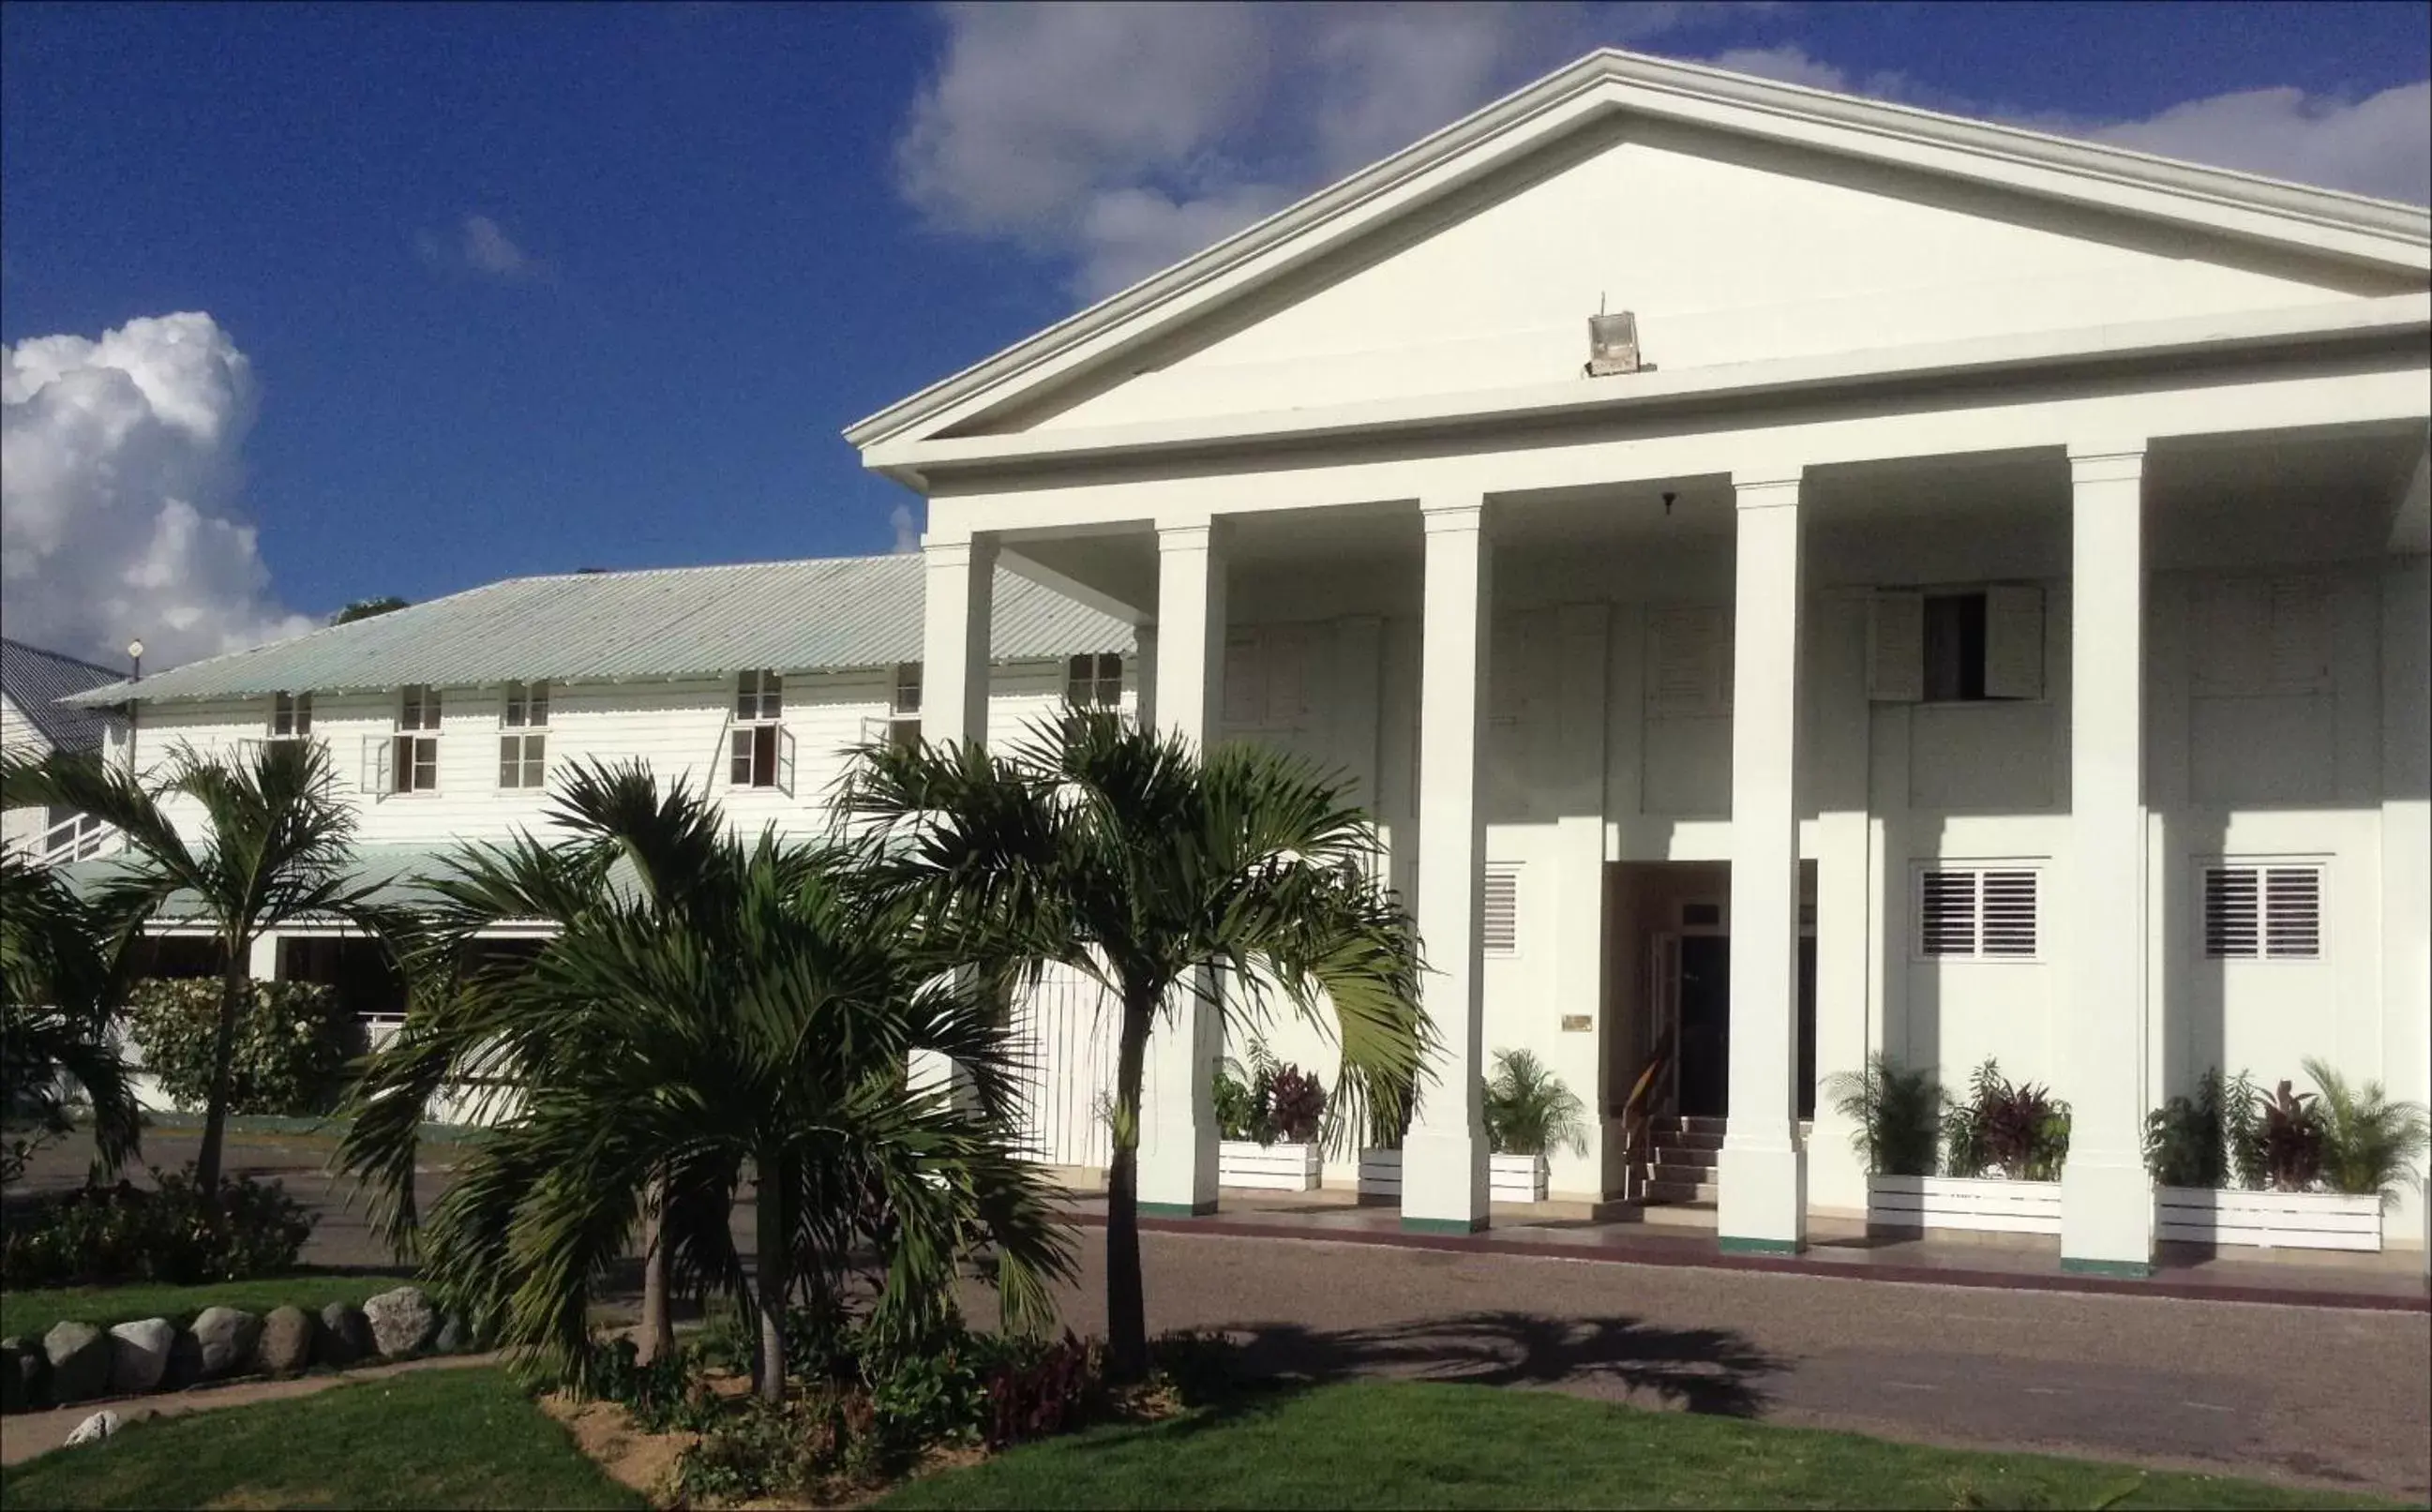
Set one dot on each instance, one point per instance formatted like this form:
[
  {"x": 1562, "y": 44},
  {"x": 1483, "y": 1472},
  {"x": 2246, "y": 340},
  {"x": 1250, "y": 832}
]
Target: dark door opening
[{"x": 1706, "y": 1026}]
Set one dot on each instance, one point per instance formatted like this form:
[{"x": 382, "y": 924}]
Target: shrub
[
  {"x": 107, "y": 1235},
  {"x": 1268, "y": 1100},
  {"x": 1894, "y": 1110},
  {"x": 2293, "y": 1139},
  {"x": 1053, "y": 1390},
  {"x": 2021, "y": 1132},
  {"x": 287, "y": 1056},
  {"x": 669, "y": 1393},
  {"x": 2368, "y": 1142},
  {"x": 2211, "y": 1141},
  {"x": 1529, "y": 1110}
]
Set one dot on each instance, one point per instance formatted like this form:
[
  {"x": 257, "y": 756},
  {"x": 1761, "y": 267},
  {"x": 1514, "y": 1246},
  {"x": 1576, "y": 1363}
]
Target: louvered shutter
[
  {"x": 1688, "y": 655},
  {"x": 2007, "y": 914},
  {"x": 1947, "y": 912},
  {"x": 1500, "y": 914},
  {"x": 2232, "y": 912},
  {"x": 1896, "y": 648},
  {"x": 2301, "y": 634},
  {"x": 1287, "y": 659},
  {"x": 2014, "y": 643},
  {"x": 2292, "y": 913}
]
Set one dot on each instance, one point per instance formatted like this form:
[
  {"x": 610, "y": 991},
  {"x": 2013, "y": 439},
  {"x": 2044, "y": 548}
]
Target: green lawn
[
  {"x": 431, "y": 1438},
  {"x": 29, "y": 1314},
  {"x": 1377, "y": 1444}
]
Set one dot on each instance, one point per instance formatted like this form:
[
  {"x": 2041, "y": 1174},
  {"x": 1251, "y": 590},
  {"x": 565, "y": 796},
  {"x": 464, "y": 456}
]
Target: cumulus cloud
[
  {"x": 907, "y": 527},
  {"x": 2380, "y": 145},
  {"x": 1121, "y": 138},
  {"x": 119, "y": 473},
  {"x": 1125, "y": 137},
  {"x": 478, "y": 244}
]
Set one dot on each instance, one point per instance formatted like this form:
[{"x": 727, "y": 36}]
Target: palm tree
[
  {"x": 1128, "y": 856},
  {"x": 739, "y": 1004},
  {"x": 276, "y": 845},
  {"x": 64, "y": 966}
]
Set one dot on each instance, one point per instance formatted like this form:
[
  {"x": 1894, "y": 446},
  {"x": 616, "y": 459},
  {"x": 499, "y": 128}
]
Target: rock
[
  {"x": 139, "y": 1355},
  {"x": 25, "y": 1371},
  {"x": 345, "y": 1336},
  {"x": 227, "y": 1335},
  {"x": 185, "y": 1363},
  {"x": 286, "y": 1345},
  {"x": 79, "y": 1357},
  {"x": 94, "y": 1429},
  {"x": 403, "y": 1322},
  {"x": 454, "y": 1337}
]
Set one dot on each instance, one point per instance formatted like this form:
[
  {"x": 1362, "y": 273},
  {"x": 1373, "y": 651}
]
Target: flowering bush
[{"x": 287, "y": 1056}]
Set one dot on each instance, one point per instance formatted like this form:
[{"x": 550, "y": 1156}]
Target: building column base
[
  {"x": 2115, "y": 1270},
  {"x": 1444, "y": 1183},
  {"x": 1177, "y": 1210},
  {"x": 1763, "y": 1203},
  {"x": 2106, "y": 1218}
]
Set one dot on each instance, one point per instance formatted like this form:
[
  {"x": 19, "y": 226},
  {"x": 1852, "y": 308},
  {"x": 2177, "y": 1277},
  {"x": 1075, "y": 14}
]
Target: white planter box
[
  {"x": 1955, "y": 1203},
  {"x": 1515, "y": 1178},
  {"x": 1277, "y": 1167},
  {"x": 2296, "y": 1220},
  {"x": 1380, "y": 1173}
]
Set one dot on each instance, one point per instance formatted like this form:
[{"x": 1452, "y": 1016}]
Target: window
[
  {"x": 291, "y": 715},
  {"x": 523, "y": 740},
  {"x": 1961, "y": 645},
  {"x": 2262, "y": 912},
  {"x": 414, "y": 768},
  {"x": 1980, "y": 914},
  {"x": 1500, "y": 915},
  {"x": 1688, "y": 662},
  {"x": 904, "y": 709},
  {"x": 1094, "y": 681},
  {"x": 759, "y": 752}
]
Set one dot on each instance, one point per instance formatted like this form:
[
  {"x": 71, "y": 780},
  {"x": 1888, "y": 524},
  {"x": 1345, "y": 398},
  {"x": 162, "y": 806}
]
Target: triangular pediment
[{"x": 1734, "y": 234}]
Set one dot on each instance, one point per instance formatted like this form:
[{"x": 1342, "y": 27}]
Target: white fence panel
[
  {"x": 1065, "y": 1033},
  {"x": 1955, "y": 1203},
  {"x": 2296, "y": 1220}
]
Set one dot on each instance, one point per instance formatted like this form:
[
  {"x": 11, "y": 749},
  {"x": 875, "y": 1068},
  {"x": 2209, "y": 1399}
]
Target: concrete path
[{"x": 26, "y": 1434}]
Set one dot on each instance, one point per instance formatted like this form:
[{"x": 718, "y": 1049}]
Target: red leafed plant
[
  {"x": 1054, "y": 1393},
  {"x": 2293, "y": 1138}
]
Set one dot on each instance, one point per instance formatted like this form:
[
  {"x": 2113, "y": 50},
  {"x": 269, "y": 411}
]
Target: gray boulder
[
  {"x": 286, "y": 1344},
  {"x": 25, "y": 1371},
  {"x": 185, "y": 1361},
  {"x": 227, "y": 1336},
  {"x": 79, "y": 1357},
  {"x": 139, "y": 1355},
  {"x": 94, "y": 1429},
  {"x": 403, "y": 1322},
  {"x": 345, "y": 1336},
  {"x": 454, "y": 1337}
]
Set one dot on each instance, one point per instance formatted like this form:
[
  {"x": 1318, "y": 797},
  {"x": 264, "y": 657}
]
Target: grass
[
  {"x": 29, "y": 1314},
  {"x": 1406, "y": 1444},
  {"x": 431, "y": 1438}
]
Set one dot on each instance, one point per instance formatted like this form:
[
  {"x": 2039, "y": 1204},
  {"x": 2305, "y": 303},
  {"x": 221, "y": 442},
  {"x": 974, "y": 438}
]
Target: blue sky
[{"x": 525, "y": 289}]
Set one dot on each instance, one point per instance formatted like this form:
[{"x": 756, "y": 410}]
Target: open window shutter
[
  {"x": 2014, "y": 643},
  {"x": 1246, "y": 685},
  {"x": 1896, "y": 648},
  {"x": 785, "y": 761},
  {"x": 1686, "y": 659},
  {"x": 380, "y": 769}
]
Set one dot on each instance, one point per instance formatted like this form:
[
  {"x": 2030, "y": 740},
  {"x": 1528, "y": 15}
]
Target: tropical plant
[
  {"x": 65, "y": 964},
  {"x": 2241, "y": 1133},
  {"x": 2293, "y": 1138},
  {"x": 276, "y": 845},
  {"x": 173, "y": 1231},
  {"x": 289, "y": 1052},
  {"x": 1529, "y": 1110},
  {"x": 2184, "y": 1140},
  {"x": 2019, "y": 1132},
  {"x": 766, "y": 1023},
  {"x": 1266, "y": 1100},
  {"x": 1161, "y": 873},
  {"x": 1894, "y": 1111},
  {"x": 2369, "y": 1143}
]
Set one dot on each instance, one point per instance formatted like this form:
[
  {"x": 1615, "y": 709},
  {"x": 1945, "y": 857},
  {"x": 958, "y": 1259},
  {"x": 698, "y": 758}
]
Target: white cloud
[
  {"x": 1125, "y": 137},
  {"x": 1121, "y": 138},
  {"x": 478, "y": 244},
  {"x": 907, "y": 527},
  {"x": 119, "y": 473},
  {"x": 2379, "y": 145}
]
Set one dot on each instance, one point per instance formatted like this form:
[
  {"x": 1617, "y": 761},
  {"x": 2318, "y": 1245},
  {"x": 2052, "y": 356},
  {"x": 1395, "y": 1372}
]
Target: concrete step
[
  {"x": 1671, "y": 1155},
  {"x": 1690, "y": 1125},
  {"x": 1663, "y": 1191},
  {"x": 1678, "y": 1139},
  {"x": 1671, "y": 1175}
]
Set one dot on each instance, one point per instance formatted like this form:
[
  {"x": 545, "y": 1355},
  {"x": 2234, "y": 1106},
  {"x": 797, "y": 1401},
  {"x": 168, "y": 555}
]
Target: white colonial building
[{"x": 1965, "y": 597}]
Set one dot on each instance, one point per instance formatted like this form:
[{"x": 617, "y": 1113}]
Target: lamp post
[{"x": 134, "y": 655}]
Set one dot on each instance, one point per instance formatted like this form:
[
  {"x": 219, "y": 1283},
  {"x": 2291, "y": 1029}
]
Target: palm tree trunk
[
  {"x": 771, "y": 1243},
  {"x": 656, "y": 1336},
  {"x": 232, "y": 986},
  {"x": 1126, "y": 1310}
]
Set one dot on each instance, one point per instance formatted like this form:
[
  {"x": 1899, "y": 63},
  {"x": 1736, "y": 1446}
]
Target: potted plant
[
  {"x": 1529, "y": 1112},
  {"x": 2001, "y": 1154},
  {"x": 1268, "y": 1117},
  {"x": 2298, "y": 1169}
]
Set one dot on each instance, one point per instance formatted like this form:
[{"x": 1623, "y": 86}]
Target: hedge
[{"x": 288, "y": 1053}]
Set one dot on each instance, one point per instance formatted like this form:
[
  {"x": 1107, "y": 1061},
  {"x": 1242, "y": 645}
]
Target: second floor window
[
  {"x": 904, "y": 709},
  {"x": 759, "y": 753},
  {"x": 758, "y": 696},
  {"x": 523, "y": 740},
  {"x": 414, "y": 768},
  {"x": 291, "y": 715}
]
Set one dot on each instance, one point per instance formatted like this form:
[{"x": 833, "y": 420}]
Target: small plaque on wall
[{"x": 1577, "y": 1023}]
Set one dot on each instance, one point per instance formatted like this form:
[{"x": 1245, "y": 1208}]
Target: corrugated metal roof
[
  {"x": 394, "y": 874},
  {"x": 844, "y": 611},
  {"x": 35, "y": 680}
]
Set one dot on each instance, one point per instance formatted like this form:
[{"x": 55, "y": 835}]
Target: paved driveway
[{"x": 2334, "y": 1397}]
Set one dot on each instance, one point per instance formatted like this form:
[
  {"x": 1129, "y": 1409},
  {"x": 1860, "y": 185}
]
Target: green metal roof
[
  {"x": 394, "y": 873},
  {"x": 837, "y": 613}
]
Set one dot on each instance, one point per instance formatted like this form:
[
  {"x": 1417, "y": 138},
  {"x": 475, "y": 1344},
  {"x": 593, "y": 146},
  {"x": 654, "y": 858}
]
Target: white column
[
  {"x": 1177, "y": 1157},
  {"x": 959, "y": 588},
  {"x": 1763, "y": 1171},
  {"x": 262, "y": 961},
  {"x": 2107, "y": 1200},
  {"x": 1838, "y": 721},
  {"x": 1444, "y": 1158},
  {"x": 2406, "y": 858},
  {"x": 1575, "y": 867}
]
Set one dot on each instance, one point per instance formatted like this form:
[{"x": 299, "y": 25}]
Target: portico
[{"x": 1912, "y": 599}]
